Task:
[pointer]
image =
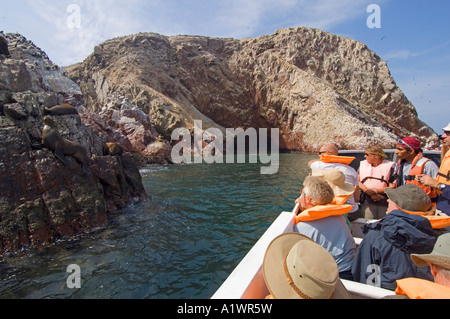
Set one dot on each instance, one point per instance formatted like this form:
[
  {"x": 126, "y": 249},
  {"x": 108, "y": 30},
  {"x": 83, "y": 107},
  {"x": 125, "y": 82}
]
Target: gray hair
[
  {"x": 318, "y": 190},
  {"x": 443, "y": 271}
]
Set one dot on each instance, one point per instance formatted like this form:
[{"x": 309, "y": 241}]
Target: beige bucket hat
[
  {"x": 336, "y": 179},
  {"x": 295, "y": 267},
  {"x": 440, "y": 256}
]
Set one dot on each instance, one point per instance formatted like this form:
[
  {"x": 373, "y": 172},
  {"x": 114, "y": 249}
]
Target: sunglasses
[{"x": 404, "y": 143}]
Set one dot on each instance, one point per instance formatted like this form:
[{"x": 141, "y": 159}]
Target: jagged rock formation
[
  {"x": 314, "y": 86},
  {"x": 124, "y": 123},
  {"x": 41, "y": 199}
]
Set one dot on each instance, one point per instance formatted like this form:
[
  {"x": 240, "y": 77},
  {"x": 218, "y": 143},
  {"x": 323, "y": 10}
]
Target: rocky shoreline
[
  {"x": 41, "y": 199},
  {"x": 133, "y": 92}
]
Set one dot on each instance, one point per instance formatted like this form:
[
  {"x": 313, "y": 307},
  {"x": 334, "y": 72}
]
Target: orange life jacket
[
  {"x": 416, "y": 288},
  {"x": 417, "y": 169},
  {"x": 336, "y": 159},
  {"x": 375, "y": 176},
  {"x": 437, "y": 222},
  {"x": 341, "y": 199},
  {"x": 444, "y": 171},
  {"x": 322, "y": 211}
]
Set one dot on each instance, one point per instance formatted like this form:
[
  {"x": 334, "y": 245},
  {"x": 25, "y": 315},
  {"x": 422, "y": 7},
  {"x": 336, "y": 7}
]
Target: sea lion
[
  {"x": 61, "y": 147},
  {"x": 113, "y": 149},
  {"x": 62, "y": 109},
  {"x": 4, "y": 47}
]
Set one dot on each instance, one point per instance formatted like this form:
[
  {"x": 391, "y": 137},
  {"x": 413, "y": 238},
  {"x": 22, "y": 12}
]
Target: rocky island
[
  {"x": 132, "y": 92},
  {"x": 314, "y": 86}
]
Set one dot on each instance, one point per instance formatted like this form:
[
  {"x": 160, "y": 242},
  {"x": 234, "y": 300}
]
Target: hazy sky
[{"x": 412, "y": 36}]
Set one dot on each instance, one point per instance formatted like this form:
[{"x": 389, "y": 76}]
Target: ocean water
[{"x": 199, "y": 222}]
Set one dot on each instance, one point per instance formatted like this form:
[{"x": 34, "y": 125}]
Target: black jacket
[{"x": 384, "y": 254}]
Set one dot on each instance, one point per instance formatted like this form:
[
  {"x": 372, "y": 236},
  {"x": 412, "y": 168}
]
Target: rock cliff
[
  {"x": 314, "y": 86},
  {"x": 41, "y": 199}
]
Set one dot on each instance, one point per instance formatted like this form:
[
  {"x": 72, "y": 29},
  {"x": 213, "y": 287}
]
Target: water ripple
[{"x": 199, "y": 223}]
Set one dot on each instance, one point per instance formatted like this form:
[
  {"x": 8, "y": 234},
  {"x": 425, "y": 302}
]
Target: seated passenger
[
  {"x": 411, "y": 164},
  {"x": 325, "y": 222},
  {"x": 295, "y": 267},
  {"x": 342, "y": 190},
  {"x": 439, "y": 262},
  {"x": 441, "y": 184},
  {"x": 374, "y": 175},
  {"x": 384, "y": 254},
  {"x": 329, "y": 158}
]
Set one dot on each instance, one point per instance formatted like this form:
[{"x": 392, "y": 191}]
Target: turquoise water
[{"x": 199, "y": 222}]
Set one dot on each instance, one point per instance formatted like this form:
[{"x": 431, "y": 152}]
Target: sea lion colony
[{"x": 61, "y": 147}]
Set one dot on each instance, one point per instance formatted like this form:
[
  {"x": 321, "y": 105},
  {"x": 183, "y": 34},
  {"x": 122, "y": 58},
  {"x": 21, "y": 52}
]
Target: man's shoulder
[
  {"x": 330, "y": 221},
  {"x": 430, "y": 168},
  {"x": 430, "y": 163}
]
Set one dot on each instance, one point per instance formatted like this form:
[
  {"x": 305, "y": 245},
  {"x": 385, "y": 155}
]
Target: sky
[{"x": 412, "y": 36}]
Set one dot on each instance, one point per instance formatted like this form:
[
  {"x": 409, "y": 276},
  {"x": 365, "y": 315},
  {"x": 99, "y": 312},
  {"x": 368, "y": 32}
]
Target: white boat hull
[{"x": 247, "y": 282}]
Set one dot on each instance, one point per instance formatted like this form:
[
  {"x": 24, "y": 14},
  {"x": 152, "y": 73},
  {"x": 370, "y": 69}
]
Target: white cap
[{"x": 447, "y": 129}]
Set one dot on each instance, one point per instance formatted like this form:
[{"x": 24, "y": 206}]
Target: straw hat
[
  {"x": 440, "y": 256},
  {"x": 336, "y": 179},
  {"x": 295, "y": 267}
]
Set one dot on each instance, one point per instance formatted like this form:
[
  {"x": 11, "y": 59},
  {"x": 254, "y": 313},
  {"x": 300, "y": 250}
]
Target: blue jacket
[
  {"x": 443, "y": 203},
  {"x": 384, "y": 254}
]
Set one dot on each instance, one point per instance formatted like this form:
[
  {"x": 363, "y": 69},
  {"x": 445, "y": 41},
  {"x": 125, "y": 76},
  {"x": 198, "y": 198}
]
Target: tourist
[
  {"x": 342, "y": 190},
  {"x": 439, "y": 262},
  {"x": 384, "y": 254},
  {"x": 411, "y": 164},
  {"x": 325, "y": 222},
  {"x": 374, "y": 175},
  {"x": 295, "y": 267},
  {"x": 442, "y": 181},
  {"x": 329, "y": 158}
]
